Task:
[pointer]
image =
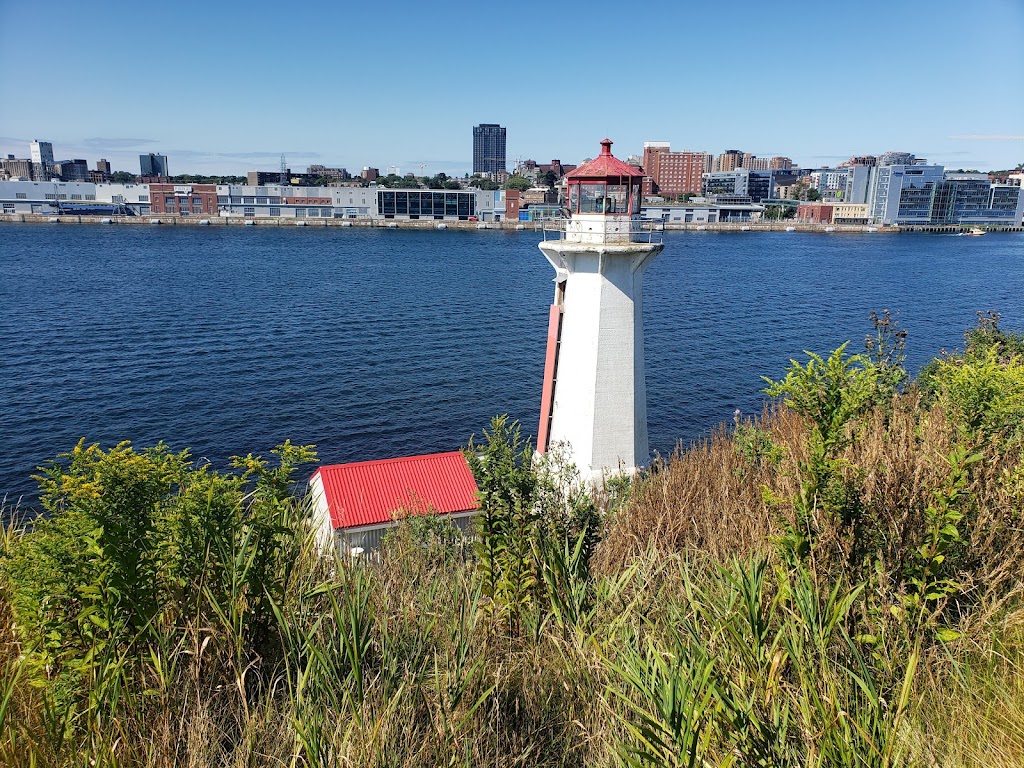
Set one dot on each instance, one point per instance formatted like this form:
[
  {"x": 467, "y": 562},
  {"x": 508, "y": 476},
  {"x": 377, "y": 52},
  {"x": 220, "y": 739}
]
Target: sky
[{"x": 223, "y": 87}]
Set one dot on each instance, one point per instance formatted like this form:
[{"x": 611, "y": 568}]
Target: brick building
[
  {"x": 673, "y": 173},
  {"x": 815, "y": 213},
  {"x": 183, "y": 199},
  {"x": 512, "y": 204}
]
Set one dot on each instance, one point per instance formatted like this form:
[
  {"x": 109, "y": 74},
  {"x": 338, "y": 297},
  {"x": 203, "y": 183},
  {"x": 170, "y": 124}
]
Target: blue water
[{"x": 376, "y": 343}]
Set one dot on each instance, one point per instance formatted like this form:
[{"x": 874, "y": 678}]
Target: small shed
[{"x": 354, "y": 504}]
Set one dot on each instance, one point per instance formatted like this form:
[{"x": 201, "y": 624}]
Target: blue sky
[{"x": 226, "y": 87}]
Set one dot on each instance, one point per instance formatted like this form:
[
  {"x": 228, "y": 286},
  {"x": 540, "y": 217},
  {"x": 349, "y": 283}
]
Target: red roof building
[{"x": 354, "y": 504}]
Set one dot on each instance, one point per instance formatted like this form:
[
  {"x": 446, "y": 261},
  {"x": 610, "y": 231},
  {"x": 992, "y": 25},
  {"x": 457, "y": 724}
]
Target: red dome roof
[{"x": 605, "y": 166}]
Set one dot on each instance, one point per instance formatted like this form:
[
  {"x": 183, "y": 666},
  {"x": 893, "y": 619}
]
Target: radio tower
[{"x": 284, "y": 172}]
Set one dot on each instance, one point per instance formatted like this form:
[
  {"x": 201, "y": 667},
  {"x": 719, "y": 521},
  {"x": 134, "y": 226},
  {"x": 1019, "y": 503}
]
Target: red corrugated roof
[
  {"x": 370, "y": 492},
  {"x": 604, "y": 165}
]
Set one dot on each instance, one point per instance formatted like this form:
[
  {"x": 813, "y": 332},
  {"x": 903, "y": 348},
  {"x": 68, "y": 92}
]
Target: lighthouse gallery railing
[{"x": 639, "y": 231}]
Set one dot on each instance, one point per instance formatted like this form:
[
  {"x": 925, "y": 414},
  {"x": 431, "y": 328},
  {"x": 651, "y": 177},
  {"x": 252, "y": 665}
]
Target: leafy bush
[
  {"x": 537, "y": 527},
  {"x": 133, "y": 539}
]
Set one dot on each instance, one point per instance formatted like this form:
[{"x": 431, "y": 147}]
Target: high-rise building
[
  {"x": 42, "y": 160},
  {"x": 153, "y": 165},
  {"x": 779, "y": 164},
  {"x": 488, "y": 148},
  {"x": 103, "y": 166},
  {"x": 42, "y": 152},
  {"x": 729, "y": 160}
]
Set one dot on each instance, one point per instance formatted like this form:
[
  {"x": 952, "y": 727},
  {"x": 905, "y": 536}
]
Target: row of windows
[
  {"x": 307, "y": 212},
  {"x": 406, "y": 203}
]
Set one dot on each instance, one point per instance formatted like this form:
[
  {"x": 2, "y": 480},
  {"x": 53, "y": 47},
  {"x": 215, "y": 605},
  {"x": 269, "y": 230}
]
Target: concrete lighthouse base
[{"x": 595, "y": 396}]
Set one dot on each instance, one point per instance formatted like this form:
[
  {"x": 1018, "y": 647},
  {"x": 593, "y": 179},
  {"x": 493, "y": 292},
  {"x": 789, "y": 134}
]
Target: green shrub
[{"x": 133, "y": 539}]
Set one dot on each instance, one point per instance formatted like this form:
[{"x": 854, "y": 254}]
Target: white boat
[
  {"x": 154, "y": 221},
  {"x": 744, "y": 229},
  {"x": 248, "y": 223},
  {"x": 439, "y": 226},
  {"x": 830, "y": 229},
  {"x": 791, "y": 229},
  {"x": 54, "y": 220},
  {"x": 872, "y": 229},
  {"x": 976, "y": 232},
  {"x": 204, "y": 222},
  {"x": 300, "y": 223}
]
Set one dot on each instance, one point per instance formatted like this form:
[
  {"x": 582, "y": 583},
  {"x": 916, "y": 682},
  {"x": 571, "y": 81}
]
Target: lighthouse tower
[{"x": 594, "y": 397}]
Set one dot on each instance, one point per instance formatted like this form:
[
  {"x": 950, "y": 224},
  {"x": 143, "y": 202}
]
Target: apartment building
[{"x": 671, "y": 173}]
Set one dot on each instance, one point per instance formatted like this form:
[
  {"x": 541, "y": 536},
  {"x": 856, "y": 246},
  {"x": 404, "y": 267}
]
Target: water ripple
[{"x": 373, "y": 344}]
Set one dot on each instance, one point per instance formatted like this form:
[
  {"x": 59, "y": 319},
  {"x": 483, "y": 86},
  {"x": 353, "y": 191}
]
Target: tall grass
[{"x": 692, "y": 634}]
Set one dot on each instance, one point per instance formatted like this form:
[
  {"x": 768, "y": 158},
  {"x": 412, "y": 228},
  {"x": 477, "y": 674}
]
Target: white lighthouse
[{"x": 594, "y": 396}]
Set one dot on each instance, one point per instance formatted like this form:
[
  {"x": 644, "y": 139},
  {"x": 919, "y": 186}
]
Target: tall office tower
[
  {"x": 153, "y": 165},
  {"x": 488, "y": 148}
]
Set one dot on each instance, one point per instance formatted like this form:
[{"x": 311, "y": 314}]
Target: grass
[{"x": 691, "y": 637}]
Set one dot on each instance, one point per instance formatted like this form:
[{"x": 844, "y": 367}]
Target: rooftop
[
  {"x": 605, "y": 165},
  {"x": 371, "y": 492}
]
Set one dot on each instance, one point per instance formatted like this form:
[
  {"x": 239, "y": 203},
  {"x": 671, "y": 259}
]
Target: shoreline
[{"x": 501, "y": 226}]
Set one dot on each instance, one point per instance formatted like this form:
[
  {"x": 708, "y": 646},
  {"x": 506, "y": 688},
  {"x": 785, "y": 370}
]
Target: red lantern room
[{"x": 605, "y": 186}]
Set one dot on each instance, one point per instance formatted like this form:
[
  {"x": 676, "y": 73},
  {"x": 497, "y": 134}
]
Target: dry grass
[
  {"x": 444, "y": 680},
  {"x": 708, "y": 498}
]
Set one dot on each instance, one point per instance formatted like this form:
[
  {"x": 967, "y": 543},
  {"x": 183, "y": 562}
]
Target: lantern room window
[
  {"x": 599, "y": 197},
  {"x": 605, "y": 186},
  {"x": 616, "y": 201},
  {"x": 590, "y": 194}
]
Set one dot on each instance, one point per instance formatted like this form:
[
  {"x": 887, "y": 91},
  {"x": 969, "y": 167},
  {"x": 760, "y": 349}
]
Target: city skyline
[{"x": 817, "y": 87}]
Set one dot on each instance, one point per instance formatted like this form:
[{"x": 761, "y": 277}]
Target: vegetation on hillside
[{"x": 834, "y": 583}]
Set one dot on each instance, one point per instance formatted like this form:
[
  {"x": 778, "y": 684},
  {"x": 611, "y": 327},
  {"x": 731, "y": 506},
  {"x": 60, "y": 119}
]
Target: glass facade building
[
  {"x": 153, "y": 165},
  {"x": 416, "y": 204},
  {"x": 975, "y": 201},
  {"x": 488, "y": 148},
  {"x": 904, "y": 194}
]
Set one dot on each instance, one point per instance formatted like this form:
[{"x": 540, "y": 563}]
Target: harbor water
[{"x": 378, "y": 343}]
